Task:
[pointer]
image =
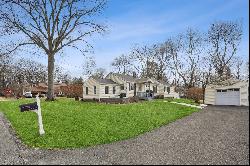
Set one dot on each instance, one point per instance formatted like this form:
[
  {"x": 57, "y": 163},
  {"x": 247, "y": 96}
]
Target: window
[
  {"x": 94, "y": 89},
  {"x": 236, "y": 89},
  {"x": 122, "y": 87},
  {"x": 106, "y": 90},
  {"x": 218, "y": 90},
  {"x": 129, "y": 88},
  {"x": 224, "y": 90},
  {"x": 168, "y": 90},
  {"x": 155, "y": 89},
  {"x": 87, "y": 90},
  {"x": 114, "y": 90},
  {"x": 164, "y": 89}
]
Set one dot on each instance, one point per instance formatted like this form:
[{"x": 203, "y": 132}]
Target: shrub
[
  {"x": 134, "y": 99},
  {"x": 159, "y": 97},
  {"x": 122, "y": 95},
  {"x": 195, "y": 93}
]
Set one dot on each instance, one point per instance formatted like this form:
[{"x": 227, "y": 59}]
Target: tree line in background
[
  {"x": 190, "y": 59},
  {"x": 16, "y": 73}
]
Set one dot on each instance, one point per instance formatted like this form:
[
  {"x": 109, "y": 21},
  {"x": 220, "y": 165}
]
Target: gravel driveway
[{"x": 215, "y": 135}]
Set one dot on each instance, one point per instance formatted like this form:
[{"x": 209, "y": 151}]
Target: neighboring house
[
  {"x": 167, "y": 90},
  {"x": 58, "y": 89},
  {"x": 42, "y": 89},
  {"x": 116, "y": 84},
  {"x": 228, "y": 92}
]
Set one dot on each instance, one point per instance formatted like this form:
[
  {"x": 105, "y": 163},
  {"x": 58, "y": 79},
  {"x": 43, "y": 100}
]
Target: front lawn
[{"x": 71, "y": 124}]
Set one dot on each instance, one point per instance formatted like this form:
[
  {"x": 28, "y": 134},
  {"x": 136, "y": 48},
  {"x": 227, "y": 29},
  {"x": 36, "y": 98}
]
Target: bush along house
[{"x": 116, "y": 85}]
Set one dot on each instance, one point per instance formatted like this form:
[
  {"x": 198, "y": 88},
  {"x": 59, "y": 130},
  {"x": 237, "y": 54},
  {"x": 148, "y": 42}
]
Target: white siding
[
  {"x": 120, "y": 81},
  {"x": 90, "y": 83},
  {"x": 110, "y": 94},
  {"x": 172, "y": 92},
  {"x": 244, "y": 95},
  {"x": 209, "y": 96},
  {"x": 210, "y": 92}
]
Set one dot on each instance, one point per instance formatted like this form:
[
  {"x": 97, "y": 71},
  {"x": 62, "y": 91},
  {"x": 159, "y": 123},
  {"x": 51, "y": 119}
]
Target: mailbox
[
  {"x": 28, "y": 107},
  {"x": 37, "y": 107}
]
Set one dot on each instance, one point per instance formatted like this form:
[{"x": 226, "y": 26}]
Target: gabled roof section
[
  {"x": 145, "y": 80},
  {"x": 227, "y": 82},
  {"x": 164, "y": 82},
  {"x": 104, "y": 81},
  {"x": 125, "y": 77}
]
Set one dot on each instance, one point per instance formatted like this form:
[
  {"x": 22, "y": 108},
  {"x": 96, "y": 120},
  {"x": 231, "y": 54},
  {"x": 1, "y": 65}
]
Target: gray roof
[
  {"x": 126, "y": 77},
  {"x": 104, "y": 81},
  {"x": 163, "y": 82},
  {"x": 227, "y": 82},
  {"x": 144, "y": 80}
]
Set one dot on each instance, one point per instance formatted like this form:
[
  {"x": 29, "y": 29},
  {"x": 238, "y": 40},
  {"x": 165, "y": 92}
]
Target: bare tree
[
  {"x": 28, "y": 71},
  {"x": 122, "y": 64},
  {"x": 5, "y": 70},
  {"x": 185, "y": 51},
  {"x": 51, "y": 25},
  {"x": 247, "y": 70},
  {"x": 143, "y": 57},
  {"x": 224, "y": 38},
  {"x": 163, "y": 59},
  {"x": 99, "y": 73},
  {"x": 89, "y": 66},
  {"x": 238, "y": 62}
]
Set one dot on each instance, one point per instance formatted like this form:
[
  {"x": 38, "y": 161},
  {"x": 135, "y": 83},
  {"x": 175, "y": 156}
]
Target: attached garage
[{"x": 229, "y": 92}]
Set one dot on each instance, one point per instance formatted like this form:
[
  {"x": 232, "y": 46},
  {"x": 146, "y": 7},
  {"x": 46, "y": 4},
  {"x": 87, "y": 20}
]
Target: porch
[{"x": 145, "y": 95}]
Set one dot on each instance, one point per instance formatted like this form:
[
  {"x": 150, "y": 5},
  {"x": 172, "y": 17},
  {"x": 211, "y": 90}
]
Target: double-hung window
[
  {"x": 106, "y": 90},
  {"x": 87, "y": 90}
]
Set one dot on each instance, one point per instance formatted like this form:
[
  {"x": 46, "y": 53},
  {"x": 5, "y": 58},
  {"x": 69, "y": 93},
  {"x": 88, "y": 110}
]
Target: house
[
  {"x": 42, "y": 89},
  {"x": 228, "y": 92},
  {"x": 114, "y": 85},
  {"x": 97, "y": 88}
]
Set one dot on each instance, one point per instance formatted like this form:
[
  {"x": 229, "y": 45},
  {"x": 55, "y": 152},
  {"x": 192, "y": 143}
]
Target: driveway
[{"x": 215, "y": 135}]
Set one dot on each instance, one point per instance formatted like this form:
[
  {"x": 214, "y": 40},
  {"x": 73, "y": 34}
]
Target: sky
[{"x": 141, "y": 22}]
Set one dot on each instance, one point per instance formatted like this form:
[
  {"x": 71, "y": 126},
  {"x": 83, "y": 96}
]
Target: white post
[{"x": 39, "y": 114}]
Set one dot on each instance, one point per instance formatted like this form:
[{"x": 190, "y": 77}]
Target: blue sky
[{"x": 153, "y": 21}]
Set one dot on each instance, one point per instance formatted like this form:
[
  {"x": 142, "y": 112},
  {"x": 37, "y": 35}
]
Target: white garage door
[{"x": 227, "y": 97}]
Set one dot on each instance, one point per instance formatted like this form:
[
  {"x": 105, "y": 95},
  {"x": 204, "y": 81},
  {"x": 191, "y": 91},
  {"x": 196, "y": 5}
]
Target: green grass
[
  {"x": 182, "y": 100},
  {"x": 72, "y": 124}
]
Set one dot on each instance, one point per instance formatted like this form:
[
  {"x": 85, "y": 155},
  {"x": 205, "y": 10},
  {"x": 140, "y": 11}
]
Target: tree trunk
[{"x": 50, "y": 94}]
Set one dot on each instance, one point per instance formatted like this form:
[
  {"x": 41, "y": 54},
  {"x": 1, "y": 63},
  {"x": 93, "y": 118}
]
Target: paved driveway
[{"x": 215, "y": 135}]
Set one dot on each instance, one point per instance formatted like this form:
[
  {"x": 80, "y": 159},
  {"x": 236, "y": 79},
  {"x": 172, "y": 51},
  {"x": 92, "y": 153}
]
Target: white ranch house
[{"x": 115, "y": 84}]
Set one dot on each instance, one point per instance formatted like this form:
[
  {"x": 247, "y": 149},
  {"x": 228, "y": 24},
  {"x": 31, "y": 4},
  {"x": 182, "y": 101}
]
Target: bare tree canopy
[
  {"x": 224, "y": 38},
  {"x": 122, "y": 64},
  {"x": 144, "y": 60},
  {"x": 89, "y": 66},
  {"x": 51, "y": 25},
  {"x": 185, "y": 51},
  {"x": 99, "y": 73}
]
